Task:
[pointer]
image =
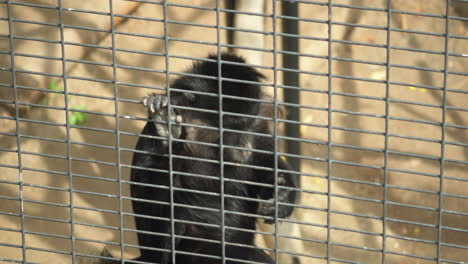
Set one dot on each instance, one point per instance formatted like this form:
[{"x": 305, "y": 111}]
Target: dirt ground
[{"x": 358, "y": 178}]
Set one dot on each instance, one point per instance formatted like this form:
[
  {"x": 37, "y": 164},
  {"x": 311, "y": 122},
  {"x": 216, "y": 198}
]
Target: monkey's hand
[
  {"x": 267, "y": 207},
  {"x": 157, "y": 105}
]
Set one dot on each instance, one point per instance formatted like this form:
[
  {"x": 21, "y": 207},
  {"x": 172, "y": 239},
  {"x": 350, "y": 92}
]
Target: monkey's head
[{"x": 239, "y": 82}]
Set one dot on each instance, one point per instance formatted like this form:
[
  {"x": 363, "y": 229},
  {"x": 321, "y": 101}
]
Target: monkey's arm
[
  {"x": 285, "y": 194},
  {"x": 151, "y": 181}
]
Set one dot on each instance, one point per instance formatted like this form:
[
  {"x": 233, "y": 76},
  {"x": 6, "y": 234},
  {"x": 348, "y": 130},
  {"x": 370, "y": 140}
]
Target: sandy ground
[{"x": 356, "y": 190}]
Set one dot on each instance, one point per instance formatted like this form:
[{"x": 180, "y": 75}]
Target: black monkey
[{"x": 196, "y": 199}]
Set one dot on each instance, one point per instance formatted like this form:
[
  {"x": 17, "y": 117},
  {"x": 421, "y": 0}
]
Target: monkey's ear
[
  {"x": 268, "y": 109},
  {"x": 282, "y": 112}
]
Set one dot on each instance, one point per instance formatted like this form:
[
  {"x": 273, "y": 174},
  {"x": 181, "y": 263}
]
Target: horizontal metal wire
[{"x": 238, "y": 11}]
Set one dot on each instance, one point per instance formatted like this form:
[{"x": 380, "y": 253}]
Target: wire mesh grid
[{"x": 374, "y": 94}]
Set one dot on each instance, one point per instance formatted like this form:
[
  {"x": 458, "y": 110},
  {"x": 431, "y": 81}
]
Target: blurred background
[{"x": 357, "y": 167}]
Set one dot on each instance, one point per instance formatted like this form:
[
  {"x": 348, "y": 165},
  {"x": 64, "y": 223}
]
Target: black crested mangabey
[{"x": 196, "y": 199}]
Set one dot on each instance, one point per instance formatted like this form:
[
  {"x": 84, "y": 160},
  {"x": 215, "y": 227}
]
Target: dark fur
[{"x": 159, "y": 197}]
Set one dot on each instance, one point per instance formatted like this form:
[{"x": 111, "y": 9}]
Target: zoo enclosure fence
[{"x": 377, "y": 126}]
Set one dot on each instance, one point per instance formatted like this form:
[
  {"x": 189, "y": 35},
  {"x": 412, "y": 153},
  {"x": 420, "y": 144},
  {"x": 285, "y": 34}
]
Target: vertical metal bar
[
  {"x": 221, "y": 130},
  {"x": 231, "y": 5},
  {"x": 169, "y": 124},
  {"x": 444, "y": 124},
  {"x": 275, "y": 123},
  {"x": 18, "y": 130},
  {"x": 291, "y": 78},
  {"x": 67, "y": 123},
  {"x": 387, "y": 126},
  {"x": 117, "y": 130},
  {"x": 329, "y": 143}
]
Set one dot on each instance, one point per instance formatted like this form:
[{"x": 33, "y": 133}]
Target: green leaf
[
  {"x": 52, "y": 86},
  {"x": 55, "y": 87},
  {"x": 78, "y": 118},
  {"x": 72, "y": 119}
]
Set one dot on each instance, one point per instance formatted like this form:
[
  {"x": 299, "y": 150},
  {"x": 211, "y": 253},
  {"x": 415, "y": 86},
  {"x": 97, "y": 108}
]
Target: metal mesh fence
[{"x": 369, "y": 104}]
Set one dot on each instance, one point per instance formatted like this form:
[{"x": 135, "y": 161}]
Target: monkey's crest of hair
[
  {"x": 235, "y": 68},
  {"x": 242, "y": 78}
]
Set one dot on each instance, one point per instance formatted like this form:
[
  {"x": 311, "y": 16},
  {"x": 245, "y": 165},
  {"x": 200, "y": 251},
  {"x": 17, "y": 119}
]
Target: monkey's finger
[
  {"x": 144, "y": 101},
  {"x": 176, "y": 131},
  {"x": 158, "y": 102},
  {"x": 148, "y": 102},
  {"x": 281, "y": 179},
  {"x": 267, "y": 207},
  {"x": 151, "y": 105},
  {"x": 164, "y": 101}
]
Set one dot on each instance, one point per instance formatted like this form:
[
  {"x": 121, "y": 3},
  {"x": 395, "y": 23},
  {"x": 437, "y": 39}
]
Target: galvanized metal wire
[{"x": 290, "y": 69}]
